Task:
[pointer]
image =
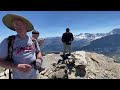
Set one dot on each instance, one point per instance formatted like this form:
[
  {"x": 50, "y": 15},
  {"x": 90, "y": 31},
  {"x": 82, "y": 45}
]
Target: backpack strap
[{"x": 11, "y": 40}]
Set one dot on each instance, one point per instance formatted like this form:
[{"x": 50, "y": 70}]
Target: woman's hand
[{"x": 24, "y": 67}]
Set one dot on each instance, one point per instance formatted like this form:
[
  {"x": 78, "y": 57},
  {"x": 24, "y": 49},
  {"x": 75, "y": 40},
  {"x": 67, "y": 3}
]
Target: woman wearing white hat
[{"x": 24, "y": 50}]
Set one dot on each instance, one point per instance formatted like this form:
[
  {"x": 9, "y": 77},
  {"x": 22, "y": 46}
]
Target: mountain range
[
  {"x": 54, "y": 44},
  {"x": 108, "y": 45},
  {"x": 105, "y": 43}
]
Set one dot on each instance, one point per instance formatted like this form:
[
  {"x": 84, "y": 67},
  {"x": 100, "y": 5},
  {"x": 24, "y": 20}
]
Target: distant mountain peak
[
  {"x": 114, "y": 31},
  {"x": 89, "y": 36}
]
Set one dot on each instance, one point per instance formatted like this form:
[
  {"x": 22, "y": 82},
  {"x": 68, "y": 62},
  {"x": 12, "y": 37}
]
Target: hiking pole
[{"x": 9, "y": 74}]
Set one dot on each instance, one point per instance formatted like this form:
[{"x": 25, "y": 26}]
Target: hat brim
[{"x": 7, "y": 20}]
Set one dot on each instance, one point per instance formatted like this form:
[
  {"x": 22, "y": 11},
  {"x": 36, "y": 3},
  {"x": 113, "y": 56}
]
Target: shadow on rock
[
  {"x": 80, "y": 71},
  {"x": 64, "y": 57},
  {"x": 60, "y": 61}
]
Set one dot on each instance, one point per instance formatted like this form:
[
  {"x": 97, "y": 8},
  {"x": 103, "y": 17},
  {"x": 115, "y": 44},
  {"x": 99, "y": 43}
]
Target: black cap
[
  {"x": 35, "y": 32},
  {"x": 67, "y": 29}
]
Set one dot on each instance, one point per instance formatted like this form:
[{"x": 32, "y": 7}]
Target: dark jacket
[{"x": 66, "y": 37}]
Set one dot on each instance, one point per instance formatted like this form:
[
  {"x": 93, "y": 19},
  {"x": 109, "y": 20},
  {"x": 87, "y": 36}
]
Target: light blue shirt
[{"x": 24, "y": 52}]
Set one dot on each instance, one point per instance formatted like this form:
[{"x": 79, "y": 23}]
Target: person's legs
[
  {"x": 69, "y": 49},
  {"x": 65, "y": 48}
]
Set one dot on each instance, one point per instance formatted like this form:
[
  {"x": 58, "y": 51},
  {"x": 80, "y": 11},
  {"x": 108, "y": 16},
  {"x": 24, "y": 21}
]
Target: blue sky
[{"x": 54, "y": 23}]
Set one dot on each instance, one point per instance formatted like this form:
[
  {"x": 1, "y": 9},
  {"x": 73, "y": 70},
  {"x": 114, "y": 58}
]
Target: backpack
[{"x": 11, "y": 40}]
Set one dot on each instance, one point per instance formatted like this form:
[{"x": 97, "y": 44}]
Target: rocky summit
[{"x": 78, "y": 65}]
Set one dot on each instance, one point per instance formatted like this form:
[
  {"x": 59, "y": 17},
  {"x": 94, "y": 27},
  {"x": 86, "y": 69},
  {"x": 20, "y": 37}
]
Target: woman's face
[{"x": 19, "y": 26}]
